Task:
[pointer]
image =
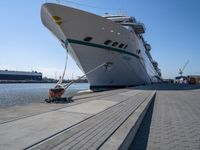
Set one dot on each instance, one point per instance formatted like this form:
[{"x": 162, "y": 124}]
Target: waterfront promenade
[{"x": 162, "y": 116}]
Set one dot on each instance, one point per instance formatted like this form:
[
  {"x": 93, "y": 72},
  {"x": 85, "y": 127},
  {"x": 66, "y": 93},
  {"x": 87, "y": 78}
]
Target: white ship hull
[{"x": 72, "y": 26}]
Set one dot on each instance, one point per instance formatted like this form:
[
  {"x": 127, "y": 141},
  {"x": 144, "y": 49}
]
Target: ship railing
[{"x": 138, "y": 27}]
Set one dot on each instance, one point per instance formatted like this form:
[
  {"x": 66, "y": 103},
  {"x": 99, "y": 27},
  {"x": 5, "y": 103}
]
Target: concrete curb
[{"x": 125, "y": 134}]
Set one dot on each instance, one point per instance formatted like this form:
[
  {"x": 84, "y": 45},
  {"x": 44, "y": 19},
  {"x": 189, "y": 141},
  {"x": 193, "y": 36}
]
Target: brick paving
[
  {"x": 93, "y": 133},
  {"x": 172, "y": 122}
]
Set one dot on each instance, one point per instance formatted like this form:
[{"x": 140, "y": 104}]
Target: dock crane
[{"x": 183, "y": 68}]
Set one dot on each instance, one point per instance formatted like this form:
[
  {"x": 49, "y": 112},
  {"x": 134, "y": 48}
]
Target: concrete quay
[
  {"x": 172, "y": 121},
  {"x": 87, "y": 123},
  {"x": 162, "y": 116}
]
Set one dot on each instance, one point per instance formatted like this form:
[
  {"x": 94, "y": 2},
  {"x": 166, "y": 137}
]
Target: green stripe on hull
[{"x": 101, "y": 47}]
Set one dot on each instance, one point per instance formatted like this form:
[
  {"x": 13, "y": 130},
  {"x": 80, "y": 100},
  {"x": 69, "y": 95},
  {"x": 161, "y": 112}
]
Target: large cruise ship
[{"x": 92, "y": 40}]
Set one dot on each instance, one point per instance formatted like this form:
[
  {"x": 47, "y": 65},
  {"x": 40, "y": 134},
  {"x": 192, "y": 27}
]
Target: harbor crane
[{"x": 183, "y": 68}]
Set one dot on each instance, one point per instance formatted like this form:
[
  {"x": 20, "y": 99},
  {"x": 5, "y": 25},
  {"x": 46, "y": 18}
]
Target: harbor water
[{"x": 22, "y": 94}]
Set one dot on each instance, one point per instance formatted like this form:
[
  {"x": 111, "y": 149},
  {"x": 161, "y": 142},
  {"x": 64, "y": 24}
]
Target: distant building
[
  {"x": 194, "y": 79},
  {"x": 180, "y": 79},
  {"x": 20, "y": 75}
]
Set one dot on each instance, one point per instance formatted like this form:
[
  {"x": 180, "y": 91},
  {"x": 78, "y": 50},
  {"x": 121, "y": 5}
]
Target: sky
[{"x": 172, "y": 29}]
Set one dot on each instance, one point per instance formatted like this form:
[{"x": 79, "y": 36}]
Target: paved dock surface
[
  {"x": 108, "y": 120},
  {"x": 173, "y": 121},
  {"x": 87, "y": 122}
]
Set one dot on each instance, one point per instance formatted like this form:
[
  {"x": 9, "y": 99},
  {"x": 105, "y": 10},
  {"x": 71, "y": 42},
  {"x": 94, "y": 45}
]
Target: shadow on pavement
[{"x": 141, "y": 138}]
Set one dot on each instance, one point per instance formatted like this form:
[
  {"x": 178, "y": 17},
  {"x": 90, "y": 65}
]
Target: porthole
[
  {"x": 115, "y": 44},
  {"x": 126, "y": 46},
  {"x": 88, "y": 39},
  {"x": 138, "y": 51},
  {"x": 107, "y": 42},
  {"x": 121, "y": 45}
]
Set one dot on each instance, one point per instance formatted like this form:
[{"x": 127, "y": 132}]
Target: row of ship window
[{"x": 109, "y": 42}]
